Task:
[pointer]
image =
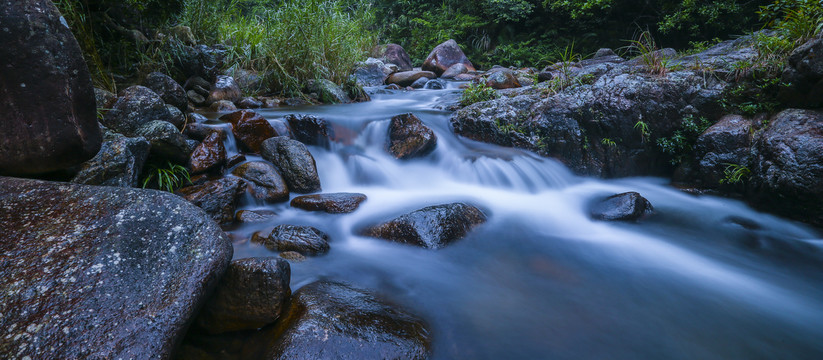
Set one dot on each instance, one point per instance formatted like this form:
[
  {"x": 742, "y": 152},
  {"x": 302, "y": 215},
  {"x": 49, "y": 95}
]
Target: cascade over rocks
[
  {"x": 295, "y": 162},
  {"x": 432, "y": 227},
  {"x": 628, "y": 206},
  {"x": 217, "y": 197},
  {"x": 48, "y": 101},
  {"x": 253, "y": 293},
  {"x": 408, "y": 137},
  {"x": 444, "y": 56},
  {"x": 305, "y": 240},
  {"x": 333, "y": 203},
  {"x": 787, "y": 169},
  {"x": 265, "y": 183},
  {"x": 169, "y": 90},
  {"x": 329, "y": 320},
  {"x": 102, "y": 272},
  {"x": 118, "y": 163},
  {"x": 250, "y": 128}
]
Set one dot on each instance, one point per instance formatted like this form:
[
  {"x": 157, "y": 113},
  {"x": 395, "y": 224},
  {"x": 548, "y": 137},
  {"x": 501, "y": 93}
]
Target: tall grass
[{"x": 77, "y": 16}]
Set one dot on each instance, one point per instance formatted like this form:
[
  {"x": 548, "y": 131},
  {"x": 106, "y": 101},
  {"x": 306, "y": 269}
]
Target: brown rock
[
  {"x": 445, "y": 56},
  {"x": 395, "y": 54},
  {"x": 250, "y": 128},
  {"x": 336, "y": 203},
  {"x": 210, "y": 155},
  {"x": 502, "y": 78},
  {"x": 409, "y": 137},
  {"x": 217, "y": 197},
  {"x": 406, "y": 78}
]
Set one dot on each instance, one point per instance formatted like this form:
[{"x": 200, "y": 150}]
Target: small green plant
[
  {"x": 644, "y": 130},
  {"x": 679, "y": 145},
  {"x": 608, "y": 142},
  {"x": 735, "y": 173},
  {"x": 168, "y": 178},
  {"x": 653, "y": 59},
  {"x": 477, "y": 92}
]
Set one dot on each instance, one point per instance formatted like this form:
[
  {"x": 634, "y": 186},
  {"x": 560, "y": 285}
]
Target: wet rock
[
  {"x": 224, "y": 88},
  {"x": 293, "y": 256},
  {"x": 628, "y": 206},
  {"x": 787, "y": 169},
  {"x": 249, "y": 81},
  {"x": 725, "y": 143},
  {"x": 502, "y": 79},
  {"x": 310, "y": 129},
  {"x": 250, "y": 128},
  {"x": 169, "y": 90},
  {"x": 103, "y": 98},
  {"x": 270, "y": 103},
  {"x": 166, "y": 141},
  {"x": 217, "y": 197},
  {"x": 249, "y": 103},
  {"x": 328, "y": 92},
  {"x": 200, "y": 131},
  {"x": 254, "y": 216},
  {"x": 465, "y": 77},
  {"x": 222, "y": 106},
  {"x": 431, "y": 227},
  {"x": 210, "y": 155},
  {"x": 198, "y": 84},
  {"x": 234, "y": 160},
  {"x": 372, "y": 72},
  {"x": 48, "y": 101},
  {"x": 419, "y": 83},
  {"x": 395, "y": 54},
  {"x": 295, "y": 162},
  {"x": 176, "y": 117},
  {"x": 251, "y": 294},
  {"x": 201, "y": 60},
  {"x": 333, "y": 203},
  {"x": 393, "y": 87},
  {"x": 327, "y": 320},
  {"x": 135, "y": 107},
  {"x": 444, "y": 56},
  {"x": 409, "y": 137},
  {"x": 102, "y": 272},
  {"x": 454, "y": 70},
  {"x": 196, "y": 98},
  {"x": 118, "y": 163},
  {"x": 406, "y": 78},
  {"x": 305, "y": 240},
  {"x": 435, "y": 85},
  {"x": 264, "y": 181},
  {"x": 804, "y": 76}
]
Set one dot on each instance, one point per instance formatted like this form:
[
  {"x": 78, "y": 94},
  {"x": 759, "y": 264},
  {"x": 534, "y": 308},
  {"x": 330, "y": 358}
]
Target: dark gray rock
[
  {"x": 264, "y": 181},
  {"x": 253, "y": 293},
  {"x": 201, "y": 60},
  {"x": 372, "y": 72},
  {"x": 176, "y": 117},
  {"x": 119, "y": 162},
  {"x": 224, "y": 88},
  {"x": 327, "y": 320},
  {"x": 327, "y": 91},
  {"x": 431, "y": 227},
  {"x": 310, "y": 129},
  {"x": 333, "y": 203},
  {"x": 804, "y": 76},
  {"x": 93, "y": 272},
  {"x": 103, "y": 98},
  {"x": 196, "y": 98},
  {"x": 444, "y": 56},
  {"x": 169, "y": 90},
  {"x": 222, "y": 106},
  {"x": 48, "y": 101},
  {"x": 787, "y": 171},
  {"x": 419, "y": 83},
  {"x": 254, "y": 216},
  {"x": 395, "y": 54},
  {"x": 725, "y": 143},
  {"x": 435, "y": 85},
  {"x": 295, "y": 162},
  {"x": 135, "y": 107},
  {"x": 217, "y": 197},
  {"x": 249, "y": 103},
  {"x": 408, "y": 137},
  {"x": 306, "y": 240},
  {"x": 628, "y": 206},
  {"x": 166, "y": 141}
]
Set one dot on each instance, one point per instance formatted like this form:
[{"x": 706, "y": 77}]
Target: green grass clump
[
  {"x": 169, "y": 177},
  {"x": 477, "y": 92}
]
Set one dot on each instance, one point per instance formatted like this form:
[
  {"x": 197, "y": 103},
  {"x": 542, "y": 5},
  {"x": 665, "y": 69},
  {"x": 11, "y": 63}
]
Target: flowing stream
[{"x": 703, "y": 278}]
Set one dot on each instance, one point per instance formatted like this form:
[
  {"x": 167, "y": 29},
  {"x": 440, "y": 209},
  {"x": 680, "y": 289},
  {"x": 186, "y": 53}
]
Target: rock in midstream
[
  {"x": 629, "y": 206},
  {"x": 306, "y": 240},
  {"x": 295, "y": 162},
  {"x": 432, "y": 227},
  {"x": 265, "y": 183},
  {"x": 334, "y": 203}
]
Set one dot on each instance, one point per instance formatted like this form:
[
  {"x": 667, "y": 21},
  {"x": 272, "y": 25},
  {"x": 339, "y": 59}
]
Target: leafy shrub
[
  {"x": 477, "y": 92},
  {"x": 679, "y": 145},
  {"x": 734, "y": 173}
]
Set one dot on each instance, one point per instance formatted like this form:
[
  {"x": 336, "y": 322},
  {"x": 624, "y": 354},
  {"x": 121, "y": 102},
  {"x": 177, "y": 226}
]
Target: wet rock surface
[
  {"x": 334, "y": 203},
  {"x": 101, "y": 272},
  {"x": 310, "y": 130},
  {"x": 502, "y": 79},
  {"x": 252, "y": 293},
  {"x": 444, "y": 56},
  {"x": 408, "y": 137},
  {"x": 118, "y": 163},
  {"x": 407, "y": 78},
  {"x": 224, "y": 88},
  {"x": 254, "y": 216},
  {"x": 431, "y": 227},
  {"x": 166, "y": 141},
  {"x": 169, "y": 90},
  {"x": 295, "y": 162},
  {"x": 217, "y": 197},
  {"x": 630, "y": 206},
  {"x": 396, "y": 54},
  {"x": 48, "y": 101},
  {"x": 265, "y": 183},
  {"x": 135, "y": 107},
  {"x": 328, "y": 320},
  {"x": 209, "y": 155},
  {"x": 305, "y": 240},
  {"x": 726, "y": 143},
  {"x": 327, "y": 92},
  {"x": 250, "y": 128}
]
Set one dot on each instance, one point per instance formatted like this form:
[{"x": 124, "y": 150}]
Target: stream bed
[{"x": 702, "y": 278}]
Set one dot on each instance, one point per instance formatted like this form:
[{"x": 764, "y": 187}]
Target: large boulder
[
  {"x": 432, "y": 227},
  {"x": 265, "y": 183},
  {"x": 310, "y": 129},
  {"x": 328, "y": 320},
  {"x": 209, "y": 155},
  {"x": 201, "y": 60},
  {"x": 408, "y": 137},
  {"x": 295, "y": 162},
  {"x": 724, "y": 144},
  {"x": 407, "y": 78},
  {"x": 787, "y": 169},
  {"x": 93, "y": 272},
  {"x": 395, "y": 54},
  {"x": 119, "y": 162},
  {"x": 445, "y": 55},
  {"x": 305, "y": 240},
  {"x": 169, "y": 90},
  {"x": 253, "y": 293},
  {"x": 217, "y": 197},
  {"x": 135, "y": 106},
  {"x": 250, "y": 128},
  {"x": 48, "y": 103},
  {"x": 629, "y": 206},
  {"x": 334, "y": 203}
]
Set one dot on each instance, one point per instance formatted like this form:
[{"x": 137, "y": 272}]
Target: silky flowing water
[{"x": 703, "y": 278}]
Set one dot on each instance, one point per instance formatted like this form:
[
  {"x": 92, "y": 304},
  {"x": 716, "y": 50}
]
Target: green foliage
[
  {"x": 608, "y": 142},
  {"x": 643, "y": 127},
  {"x": 734, "y": 173},
  {"x": 169, "y": 177},
  {"x": 646, "y": 48},
  {"x": 679, "y": 145},
  {"x": 532, "y": 52},
  {"x": 477, "y": 92},
  {"x": 797, "y": 20}
]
